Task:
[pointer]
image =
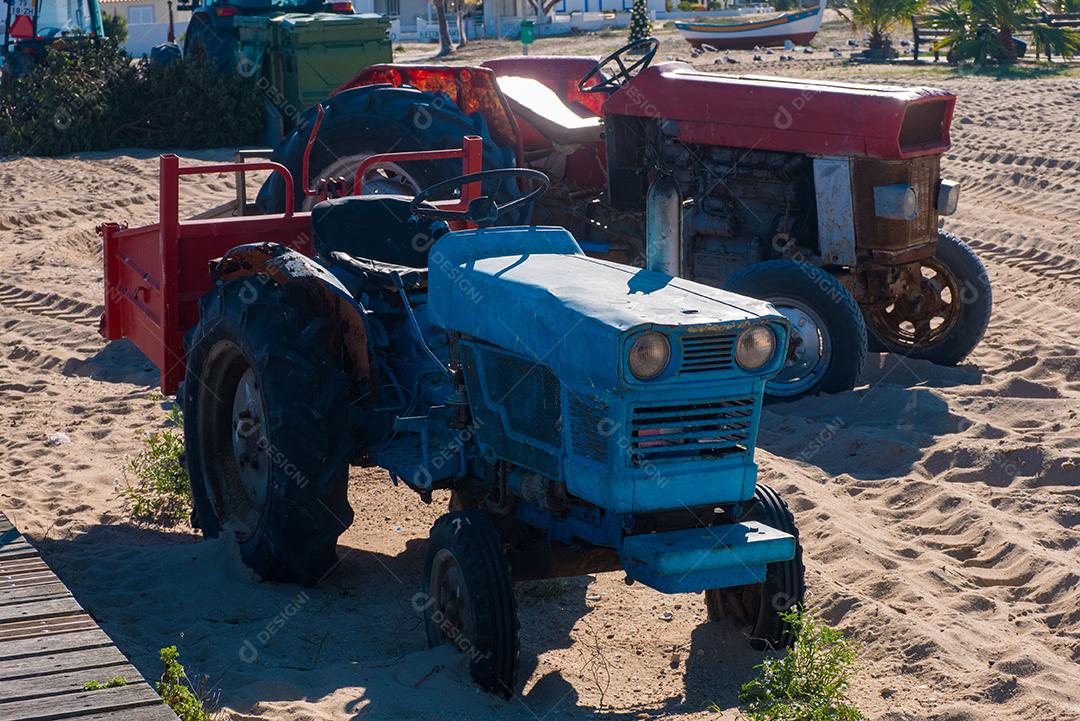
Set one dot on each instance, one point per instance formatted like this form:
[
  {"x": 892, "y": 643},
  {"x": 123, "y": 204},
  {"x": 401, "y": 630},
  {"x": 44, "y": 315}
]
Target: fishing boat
[{"x": 799, "y": 27}]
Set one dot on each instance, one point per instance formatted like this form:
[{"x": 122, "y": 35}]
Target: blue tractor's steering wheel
[
  {"x": 483, "y": 211},
  {"x": 625, "y": 73}
]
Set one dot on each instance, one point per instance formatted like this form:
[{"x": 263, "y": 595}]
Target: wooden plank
[
  {"x": 107, "y": 700},
  {"x": 27, "y": 579},
  {"x": 50, "y": 647},
  {"x": 41, "y": 628},
  {"x": 61, "y": 661},
  {"x": 44, "y": 590},
  {"x": 160, "y": 712},
  {"x": 50, "y": 644},
  {"x": 22, "y": 565},
  {"x": 39, "y": 609},
  {"x": 24, "y": 689}
]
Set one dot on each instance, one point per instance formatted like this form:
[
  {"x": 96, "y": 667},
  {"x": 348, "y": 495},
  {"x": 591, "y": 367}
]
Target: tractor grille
[
  {"x": 707, "y": 353},
  {"x": 588, "y": 417},
  {"x": 673, "y": 433}
]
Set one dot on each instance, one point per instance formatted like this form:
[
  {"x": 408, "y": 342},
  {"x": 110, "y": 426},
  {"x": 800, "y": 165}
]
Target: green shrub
[
  {"x": 116, "y": 27},
  {"x": 162, "y": 491},
  {"x": 90, "y": 95},
  {"x": 177, "y": 693},
  {"x": 113, "y": 682},
  {"x": 810, "y": 682},
  {"x": 188, "y": 104},
  {"x": 68, "y": 102}
]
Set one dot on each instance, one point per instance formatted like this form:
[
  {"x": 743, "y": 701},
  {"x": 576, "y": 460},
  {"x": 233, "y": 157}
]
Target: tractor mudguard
[{"x": 325, "y": 294}]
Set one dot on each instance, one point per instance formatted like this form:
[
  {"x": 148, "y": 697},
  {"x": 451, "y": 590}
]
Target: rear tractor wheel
[
  {"x": 468, "y": 598},
  {"x": 370, "y": 120},
  {"x": 266, "y": 430},
  {"x": 757, "y": 607},
  {"x": 946, "y": 316}
]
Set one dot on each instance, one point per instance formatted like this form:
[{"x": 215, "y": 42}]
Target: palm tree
[
  {"x": 985, "y": 30},
  {"x": 445, "y": 46},
  {"x": 878, "y": 17}
]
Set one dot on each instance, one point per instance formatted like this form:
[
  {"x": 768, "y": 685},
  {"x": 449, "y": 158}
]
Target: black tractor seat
[
  {"x": 375, "y": 228},
  {"x": 381, "y": 275},
  {"x": 544, "y": 110}
]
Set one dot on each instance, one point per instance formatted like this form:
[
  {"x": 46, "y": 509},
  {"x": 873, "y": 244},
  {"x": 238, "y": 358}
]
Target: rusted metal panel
[
  {"x": 835, "y": 215},
  {"x": 880, "y": 234}
]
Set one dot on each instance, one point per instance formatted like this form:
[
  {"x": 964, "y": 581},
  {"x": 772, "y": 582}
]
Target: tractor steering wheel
[
  {"x": 625, "y": 73},
  {"x": 483, "y": 211}
]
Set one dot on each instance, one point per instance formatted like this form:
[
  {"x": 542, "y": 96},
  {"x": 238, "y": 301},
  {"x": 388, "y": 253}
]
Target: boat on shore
[{"x": 799, "y": 26}]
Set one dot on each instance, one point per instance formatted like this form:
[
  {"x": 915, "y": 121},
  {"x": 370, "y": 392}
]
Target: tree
[
  {"x": 461, "y": 13},
  {"x": 878, "y": 17},
  {"x": 545, "y": 8},
  {"x": 984, "y": 30},
  {"x": 445, "y": 46},
  {"x": 640, "y": 25}
]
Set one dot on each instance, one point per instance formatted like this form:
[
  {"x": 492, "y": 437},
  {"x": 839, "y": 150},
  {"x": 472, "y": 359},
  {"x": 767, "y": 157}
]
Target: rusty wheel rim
[{"x": 926, "y": 319}]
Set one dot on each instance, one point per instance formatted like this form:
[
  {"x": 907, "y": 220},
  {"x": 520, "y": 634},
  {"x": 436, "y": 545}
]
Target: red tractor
[{"x": 823, "y": 198}]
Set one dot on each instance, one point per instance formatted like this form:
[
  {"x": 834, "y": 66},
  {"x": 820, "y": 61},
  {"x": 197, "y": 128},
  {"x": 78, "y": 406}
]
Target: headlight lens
[
  {"x": 649, "y": 355},
  {"x": 755, "y": 347},
  {"x": 896, "y": 202}
]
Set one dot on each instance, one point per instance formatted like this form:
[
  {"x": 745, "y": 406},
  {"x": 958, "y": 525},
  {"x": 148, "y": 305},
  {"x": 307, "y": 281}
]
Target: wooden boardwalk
[{"x": 50, "y": 647}]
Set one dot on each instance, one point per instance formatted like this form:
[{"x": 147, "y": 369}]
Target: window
[
  {"x": 140, "y": 14},
  {"x": 393, "y": 8}
]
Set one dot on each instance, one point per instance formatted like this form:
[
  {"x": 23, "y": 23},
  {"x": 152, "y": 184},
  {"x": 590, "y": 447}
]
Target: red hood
[{"x": 785, "y": 114}]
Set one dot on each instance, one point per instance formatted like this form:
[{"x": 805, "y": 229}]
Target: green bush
[
  {"x": 162, "y": 491},
  {"x": 68, "y": 102},
  {"x": 90, "y": 95},
  {"x": 177, "y": 693},
  {"x": 116, "y": 27},
  {"x": 810, "y": 682},
  {"x": 189, "y": 104},
  {"x": 114, "y": 682}
]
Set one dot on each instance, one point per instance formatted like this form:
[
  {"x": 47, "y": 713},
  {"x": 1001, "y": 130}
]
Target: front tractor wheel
[
  {"x": 468, "y": 598},
  {"x": 828, "y": 335},
  {"x": 946, "y": 316},
  {"x": 266, "y": 430},
  {"x": 757, "y": 607}
]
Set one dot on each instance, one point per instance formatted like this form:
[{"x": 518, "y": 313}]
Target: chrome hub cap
[
  {"x": 250, "y": 445},
  {"x": 808, "y": 350},
  {"x": 451, "y": 608}
]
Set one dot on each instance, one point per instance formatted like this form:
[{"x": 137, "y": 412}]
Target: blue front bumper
[{"x": 696, "y": 559}]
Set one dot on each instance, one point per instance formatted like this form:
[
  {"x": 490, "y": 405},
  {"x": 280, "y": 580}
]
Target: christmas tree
[{"x": 640, "y": 25}]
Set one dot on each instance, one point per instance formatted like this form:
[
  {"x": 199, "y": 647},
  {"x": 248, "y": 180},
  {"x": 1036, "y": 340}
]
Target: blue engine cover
[{"x": 532, "y": 290}]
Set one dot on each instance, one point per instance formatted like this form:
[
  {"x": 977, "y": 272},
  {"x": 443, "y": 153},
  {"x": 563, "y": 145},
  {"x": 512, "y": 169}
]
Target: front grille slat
[
  {"x": 707, "y": 353},
  {"x": 690, "y": 431}
]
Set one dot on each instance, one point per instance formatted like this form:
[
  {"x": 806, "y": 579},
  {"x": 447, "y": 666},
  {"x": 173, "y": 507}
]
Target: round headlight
[
  {"x": 755, "y": 347},
  {"x": 649, "y": 355}
]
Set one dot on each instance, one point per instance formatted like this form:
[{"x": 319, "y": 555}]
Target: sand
[{"x": 938, "y": 506}]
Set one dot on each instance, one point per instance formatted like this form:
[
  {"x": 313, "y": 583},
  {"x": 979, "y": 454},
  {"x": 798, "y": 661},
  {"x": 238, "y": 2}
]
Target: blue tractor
[{"x": 586, "y": 416}]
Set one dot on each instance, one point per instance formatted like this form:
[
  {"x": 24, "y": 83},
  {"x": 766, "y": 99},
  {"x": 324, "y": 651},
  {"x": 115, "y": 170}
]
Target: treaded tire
[
  {"x": 975, "y": 313},
  {"x": 251, "y": 323},
  {"x": 831, "y": 301},
  {"x": 757, "y": 607},
  {"x": 490, "y": 635},
  {"x": 382, "y": 119}
]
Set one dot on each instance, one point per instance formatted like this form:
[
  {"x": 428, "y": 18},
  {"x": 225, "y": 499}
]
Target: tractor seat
[
  {"x": 377, "y": 228},
  {"x": 372, "y": 273},
  {"x": 544, "y": 110}
]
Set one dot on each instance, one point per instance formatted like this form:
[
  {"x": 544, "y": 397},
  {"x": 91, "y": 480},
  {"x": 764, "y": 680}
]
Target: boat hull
[
  {"x": 797, "y": 27},
  {"x": 748, "y": 42}
]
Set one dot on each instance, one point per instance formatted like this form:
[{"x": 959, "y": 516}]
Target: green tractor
[{"x": 299, "y": 50}]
